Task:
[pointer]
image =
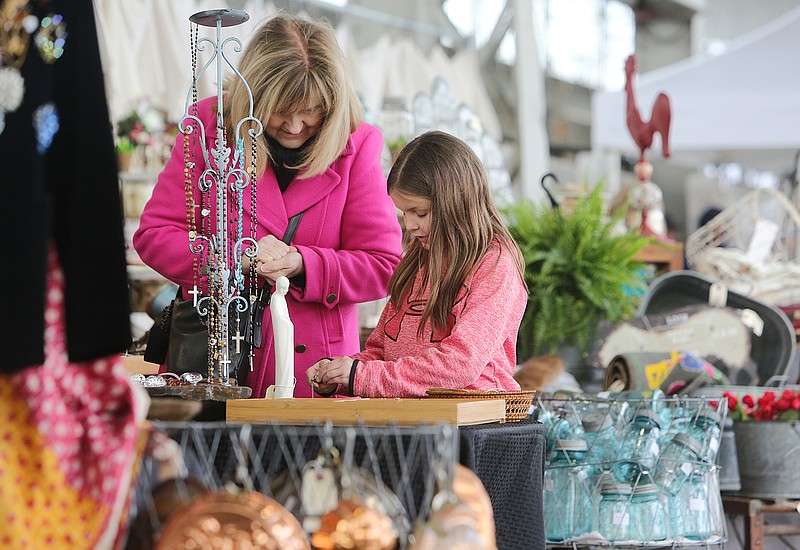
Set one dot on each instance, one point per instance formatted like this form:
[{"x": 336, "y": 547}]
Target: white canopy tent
[{"x": 741, "y": 106}]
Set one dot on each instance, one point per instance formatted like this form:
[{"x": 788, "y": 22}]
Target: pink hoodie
[{"x": 477, "y": 353}]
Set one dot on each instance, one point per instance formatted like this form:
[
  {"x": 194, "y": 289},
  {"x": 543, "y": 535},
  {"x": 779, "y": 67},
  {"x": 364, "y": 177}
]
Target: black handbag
[
  {"x": 179, "y": 339},
  {"x": 158, "y": 336},
  {"x": 188, "y": 339}
]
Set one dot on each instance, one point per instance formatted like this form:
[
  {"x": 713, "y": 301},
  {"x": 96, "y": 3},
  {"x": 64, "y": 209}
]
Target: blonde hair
[
  {"x": 464, "y": 221},
  {"x": 292, "y": 64}
]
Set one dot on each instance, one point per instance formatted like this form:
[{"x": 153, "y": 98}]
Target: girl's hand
[
  {"x": 335, "y": 371},
  {"x": 313, "y": 378}
]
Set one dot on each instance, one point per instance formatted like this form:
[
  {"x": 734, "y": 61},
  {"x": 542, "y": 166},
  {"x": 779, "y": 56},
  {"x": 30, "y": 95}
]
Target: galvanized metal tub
[{"x": 767, "y": 454}]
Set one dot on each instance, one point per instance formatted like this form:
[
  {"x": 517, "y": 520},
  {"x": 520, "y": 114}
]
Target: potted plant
[
  {"x": 579, "y": 268},
  {"x": 125, "y": 150},
  {"x": 147, "y": 127}
]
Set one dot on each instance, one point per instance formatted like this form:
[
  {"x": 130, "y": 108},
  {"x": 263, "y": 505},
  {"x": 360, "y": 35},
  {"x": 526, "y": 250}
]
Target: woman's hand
[{"x": 275, "y": 259}]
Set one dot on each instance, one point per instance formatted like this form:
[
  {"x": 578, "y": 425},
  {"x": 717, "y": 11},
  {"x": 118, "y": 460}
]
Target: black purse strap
[
  {"x": 264, "y": 294},
  {"x": 291, "y": 228}
]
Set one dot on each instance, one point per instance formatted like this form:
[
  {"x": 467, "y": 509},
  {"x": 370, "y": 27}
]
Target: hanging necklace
[
  {"x": 253, "y": 275},
  {"x": 188, "y": 174}
]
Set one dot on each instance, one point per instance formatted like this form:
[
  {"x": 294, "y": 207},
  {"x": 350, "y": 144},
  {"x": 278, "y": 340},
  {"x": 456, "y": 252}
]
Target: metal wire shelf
[{"x": 400, "y": 467}]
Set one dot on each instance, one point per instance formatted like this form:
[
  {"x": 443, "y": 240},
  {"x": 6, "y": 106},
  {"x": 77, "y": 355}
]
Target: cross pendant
[
  {"x": 224, "y": 363},
  {"x": 238, "y": 339},
  {"x": 194, "y": 292}
]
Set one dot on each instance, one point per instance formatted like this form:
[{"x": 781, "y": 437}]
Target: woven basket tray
[{"x": 518, "y": 403}]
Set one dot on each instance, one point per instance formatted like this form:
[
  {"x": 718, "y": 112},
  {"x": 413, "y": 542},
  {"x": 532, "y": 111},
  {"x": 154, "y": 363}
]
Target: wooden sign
[{"x": 374, "y": 412}]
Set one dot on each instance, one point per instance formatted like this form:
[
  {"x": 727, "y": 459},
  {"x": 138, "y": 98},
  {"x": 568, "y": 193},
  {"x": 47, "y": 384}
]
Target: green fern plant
[{"x": 579, "y": 271}]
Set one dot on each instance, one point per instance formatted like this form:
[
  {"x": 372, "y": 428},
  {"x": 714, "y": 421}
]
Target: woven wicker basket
[{"x": 518, "y": 403}]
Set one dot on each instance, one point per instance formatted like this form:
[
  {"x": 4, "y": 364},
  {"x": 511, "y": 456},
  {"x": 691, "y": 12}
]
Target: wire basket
[
  {"x": 518, "y": 403},
  {"x": 394, "y": 467},
  {"x": 753, "y": 246}
]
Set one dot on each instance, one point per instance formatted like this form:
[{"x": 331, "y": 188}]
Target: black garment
[
  {"x": 68, "y": 196},
  {"x": 283, "y": 159}
]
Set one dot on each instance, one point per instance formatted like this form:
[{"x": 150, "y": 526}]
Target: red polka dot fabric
[{"x": 68, "y": 444}]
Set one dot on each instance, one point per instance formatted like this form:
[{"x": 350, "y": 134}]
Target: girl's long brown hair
[{"x": 464, "y": 221}]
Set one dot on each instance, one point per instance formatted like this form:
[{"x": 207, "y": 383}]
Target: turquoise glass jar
[
  {"x": 648, "y": 514},
  {"x": 681, "y": 420},
  {"x": 601, "y": 436},
  {"x": 706, "y": 429},
  {"x": 641, "y": 445},
  {"x": 568, "y": 507},
  {"x": 689, "y": 510},
  {"x": 560, "y": 425},
  {"x": 680, "y": 458},
  {"x": 614, "y": 521}
]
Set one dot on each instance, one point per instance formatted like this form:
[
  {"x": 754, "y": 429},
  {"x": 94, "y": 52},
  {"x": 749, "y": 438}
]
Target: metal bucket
[
  {"x": 767, "y": 454},
  {"x": 728, "y": 463}
]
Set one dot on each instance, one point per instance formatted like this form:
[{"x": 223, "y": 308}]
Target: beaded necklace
[{"x": 253, "y": 276}]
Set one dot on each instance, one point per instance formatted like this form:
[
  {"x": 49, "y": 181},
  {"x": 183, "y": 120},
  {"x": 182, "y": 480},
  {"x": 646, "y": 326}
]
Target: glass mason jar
[
  {"x": 568, "y": 508},
  {"x": 614, "y": 511},
  {"x": 681, "y": 421},
  {"x": 648, "y": 516},
  {"x": 689, "y": 510},
  {"x": 706, "y": 430},
  {"x": 601, "y": 436},
  {"x": 679, "y": 458},
  {"x": 655, "y": 400},
  {"x": 641, "y": 444},
  {"x": 560, "y": 425}
]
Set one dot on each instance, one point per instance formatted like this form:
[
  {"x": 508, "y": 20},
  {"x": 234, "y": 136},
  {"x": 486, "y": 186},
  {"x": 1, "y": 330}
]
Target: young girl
[{"x": 457, "y": 296}]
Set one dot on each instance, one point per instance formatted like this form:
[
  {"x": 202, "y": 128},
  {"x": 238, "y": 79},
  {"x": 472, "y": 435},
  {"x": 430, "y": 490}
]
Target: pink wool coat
[{"x": 349, "y": 238}]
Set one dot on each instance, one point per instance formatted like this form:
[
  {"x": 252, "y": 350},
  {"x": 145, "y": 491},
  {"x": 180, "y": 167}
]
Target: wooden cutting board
[{"x": 374, "y": 412}]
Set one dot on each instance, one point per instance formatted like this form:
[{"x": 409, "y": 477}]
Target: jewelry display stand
[{"x": 215, "y": 220}]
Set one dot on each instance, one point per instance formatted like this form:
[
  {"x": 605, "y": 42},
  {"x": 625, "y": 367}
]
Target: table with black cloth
[{"x": 508, "y": 458}]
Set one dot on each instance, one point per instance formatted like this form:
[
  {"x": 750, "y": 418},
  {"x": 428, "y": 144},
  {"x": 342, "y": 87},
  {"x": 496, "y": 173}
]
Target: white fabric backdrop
[{"x": 145, "y": 49}]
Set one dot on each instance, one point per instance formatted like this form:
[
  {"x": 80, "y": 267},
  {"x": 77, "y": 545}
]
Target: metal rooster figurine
[{"x": 646, "y": 199}]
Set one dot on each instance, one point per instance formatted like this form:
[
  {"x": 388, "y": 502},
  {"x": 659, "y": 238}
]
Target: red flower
[
  {"x": 764, "y": 413},
  {"x": 767, "y": 399},
  {"x": 733, "y": 402},
  {"x": 767, "y": 407}
]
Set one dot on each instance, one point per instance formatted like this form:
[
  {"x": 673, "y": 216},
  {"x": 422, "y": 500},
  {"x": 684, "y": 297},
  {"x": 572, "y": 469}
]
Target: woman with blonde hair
[
  {"x": 316, "y": 157},
  {"x": 458, "y": 294}
]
